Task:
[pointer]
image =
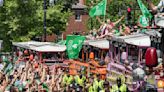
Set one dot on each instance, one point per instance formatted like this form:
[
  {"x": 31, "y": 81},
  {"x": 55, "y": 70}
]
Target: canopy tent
[
  {"x": 140, "y": 40},
  {"x": 154, "y": 33},
  {"x": 159, "y": 21},
  {"x": 102, "y": 44},
  {"x": 41, "y": 46}
]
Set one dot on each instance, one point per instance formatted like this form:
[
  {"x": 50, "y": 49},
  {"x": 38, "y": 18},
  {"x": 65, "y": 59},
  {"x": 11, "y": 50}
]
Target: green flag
[
  {"x": 62, "y": 42},
  {"x": 144, "y": 10},
  {"x": 144, "y": 21},
  {"x": 9, "y": 68},
  {"x": 74, "y": 44},
  {"x": 99, "y": 9}
]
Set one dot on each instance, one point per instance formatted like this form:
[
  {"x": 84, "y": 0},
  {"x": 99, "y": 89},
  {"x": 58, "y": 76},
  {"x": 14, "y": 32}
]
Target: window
[{"x": 77, "y": 17}]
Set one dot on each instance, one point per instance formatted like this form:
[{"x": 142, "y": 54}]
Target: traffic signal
[{"x": 129, "y": 15}]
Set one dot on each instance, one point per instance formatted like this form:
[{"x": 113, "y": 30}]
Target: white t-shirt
[
  {"x": 104, "y": 30},
  {"x": 1, "y": 66}
]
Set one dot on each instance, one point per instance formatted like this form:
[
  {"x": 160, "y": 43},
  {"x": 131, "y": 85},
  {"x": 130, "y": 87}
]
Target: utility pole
[{"x": 44, "y": 21}]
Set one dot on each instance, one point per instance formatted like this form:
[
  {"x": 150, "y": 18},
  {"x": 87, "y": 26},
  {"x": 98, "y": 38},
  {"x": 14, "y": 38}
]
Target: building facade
[{"x": 78, "y": 21}]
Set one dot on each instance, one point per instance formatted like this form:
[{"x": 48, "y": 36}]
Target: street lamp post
[{"x": 44, "y": 21}]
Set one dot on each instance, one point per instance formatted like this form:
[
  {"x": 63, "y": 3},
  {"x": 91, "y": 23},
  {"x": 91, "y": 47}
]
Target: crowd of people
[
  {"x": 29, "y": 75},
  {"x": 109, "y": 28}
]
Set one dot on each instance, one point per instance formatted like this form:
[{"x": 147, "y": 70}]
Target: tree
[{"x": 21, "y": 20}]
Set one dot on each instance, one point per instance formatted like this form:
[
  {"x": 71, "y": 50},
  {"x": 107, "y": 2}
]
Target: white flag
[
  {"x": 51, "y": 2},
  {"x": 1, "y": 2}
]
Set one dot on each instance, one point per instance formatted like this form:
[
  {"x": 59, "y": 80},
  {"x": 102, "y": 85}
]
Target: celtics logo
[
  {"x": 144, "y": 21},
  {"x": 74, "y": 45}
]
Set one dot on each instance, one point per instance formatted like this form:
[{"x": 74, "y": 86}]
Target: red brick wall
[
  {"x": 82, "y": 1},
  {"x": 76, "y": 26},
  {"x": 50, "y": 38}
]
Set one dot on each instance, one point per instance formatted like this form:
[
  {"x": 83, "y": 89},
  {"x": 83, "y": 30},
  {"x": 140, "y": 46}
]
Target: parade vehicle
[
  {"x": 91, "y": 55},
  {"x": 153, "y": 58},
  {"x": 159, "y": 41},
  {"x": 97, "y": 57},
  {"x": 44, "y": 52},
  {"x": 159, "y": 20},
  {"x": 124, "y": 52}
]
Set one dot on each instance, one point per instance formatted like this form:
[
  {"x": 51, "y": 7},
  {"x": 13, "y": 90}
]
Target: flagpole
[
  {"x": 104, "y": 18},
  {"x": 105, "y": 10}
]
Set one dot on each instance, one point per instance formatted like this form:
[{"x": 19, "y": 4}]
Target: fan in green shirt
[
  {"x": 80, "y": 80},
  {"x": 67, "y": 79}
]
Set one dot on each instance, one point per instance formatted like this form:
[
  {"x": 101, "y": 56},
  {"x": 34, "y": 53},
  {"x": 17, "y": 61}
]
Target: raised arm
[
  {"x": 15, "y": 77},
  {"x": 5, "y": 85},
  {"x": 53, "y": 76},
  {"x": 152, "y": 6},
  {"x": 43, "y": 75},
  {"x": 115, "y": 23},
  {"x": 32, "y": 78}
]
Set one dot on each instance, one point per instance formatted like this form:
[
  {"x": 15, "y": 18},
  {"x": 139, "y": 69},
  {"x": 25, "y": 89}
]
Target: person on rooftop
[
  {"x": 159, "y": 7},
  {"x": 107, "y": 28}
]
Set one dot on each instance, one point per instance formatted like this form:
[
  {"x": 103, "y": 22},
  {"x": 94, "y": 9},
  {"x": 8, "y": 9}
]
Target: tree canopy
[{"x": 21, "y": 20}]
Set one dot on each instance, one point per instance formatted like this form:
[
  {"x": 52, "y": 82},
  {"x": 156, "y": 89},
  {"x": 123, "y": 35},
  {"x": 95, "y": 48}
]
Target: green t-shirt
[
  {"x": 97, "y": 84},
  {"x": 80, "y": 81},
  {"x": 44, "y": 85},
  {"x": 117, "y": 33},
  {"x": 115, "y": 88},
  {"x": 90, "y": 89},
  {"x": 67, "y": 80},
  {"x": 8, "y": 88}
]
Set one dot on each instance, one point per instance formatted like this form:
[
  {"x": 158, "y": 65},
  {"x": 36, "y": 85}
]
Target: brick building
[{"x": 78, "y": 21}]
